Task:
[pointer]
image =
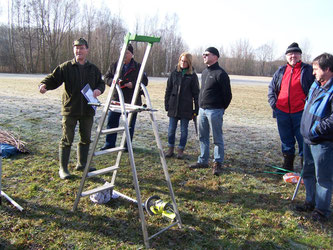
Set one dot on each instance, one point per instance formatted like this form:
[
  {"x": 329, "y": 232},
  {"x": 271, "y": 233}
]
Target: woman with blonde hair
[{"x": 181, "y": 93}]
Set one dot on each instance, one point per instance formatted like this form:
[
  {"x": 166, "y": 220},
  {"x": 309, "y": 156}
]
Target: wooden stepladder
[{"x": 127, "y": 111}]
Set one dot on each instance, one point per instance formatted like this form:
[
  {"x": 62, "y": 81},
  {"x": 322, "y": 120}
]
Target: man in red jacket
[{"x": 286, "y": 95}]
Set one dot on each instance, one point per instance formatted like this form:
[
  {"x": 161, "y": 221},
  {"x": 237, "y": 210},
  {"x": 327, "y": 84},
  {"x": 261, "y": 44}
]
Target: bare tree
[
  {"x": 106, "y": 39},
  {"x": 264, "y": 55},
  {"x": 57, "y": 17},
  {"x": 5, "y": 58},
  {"x": 243, "y": 58},
  {"x": 306, "y": 47}
]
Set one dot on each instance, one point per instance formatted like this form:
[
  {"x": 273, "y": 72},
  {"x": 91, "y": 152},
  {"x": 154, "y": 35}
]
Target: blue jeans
[
  {"x": 183, "y": 131},
  {"x": 318, "y": 175},
  {"x": 211, "y": 119},
  {"x": 289, "y": 129},
  {"x": 113, "y": 122}
]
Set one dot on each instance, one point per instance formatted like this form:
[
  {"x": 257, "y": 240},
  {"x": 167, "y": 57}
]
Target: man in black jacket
[
  {"x": 215, "y": 96},
  {"x": 127, "y": 80}
]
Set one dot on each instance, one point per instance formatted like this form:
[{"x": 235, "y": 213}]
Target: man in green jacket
[{"x": 76, "y": 74}]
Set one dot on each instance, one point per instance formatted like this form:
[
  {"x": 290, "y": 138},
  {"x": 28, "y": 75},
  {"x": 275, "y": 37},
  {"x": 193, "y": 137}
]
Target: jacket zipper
[
  {"x": 178, "y": 95},
  {"x": 291, "y": 76},
  {"x": 203, "y": 91}
]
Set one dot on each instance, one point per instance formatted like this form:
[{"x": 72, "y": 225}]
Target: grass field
[{"x": 244, "y": 208}]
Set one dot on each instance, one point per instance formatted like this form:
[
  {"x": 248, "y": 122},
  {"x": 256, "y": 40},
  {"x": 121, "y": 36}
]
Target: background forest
[{"x": 39, "y": 34}]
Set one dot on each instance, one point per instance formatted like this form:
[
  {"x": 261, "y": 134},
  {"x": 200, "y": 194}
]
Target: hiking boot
[
  {"x": 199, "y": 165},
  {"x": 288, "y": 163},
  {"x": 217, "y": 168},
  {"x": 180, "y": 153},
  {"x": 169, "y": 153},
  {"x": 318, "y": 216},
  {"x": 306, "y": 207}
]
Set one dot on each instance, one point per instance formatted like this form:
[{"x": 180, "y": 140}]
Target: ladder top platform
[{"x": 138, "y": 38}]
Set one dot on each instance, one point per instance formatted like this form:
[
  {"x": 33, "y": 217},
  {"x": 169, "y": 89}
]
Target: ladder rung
[
  {"x": 102, "y": 171},
  {"x": 96, "y": 190},
  {"x": 108, "y": 151},
  {"x": 112, "y": 130}
]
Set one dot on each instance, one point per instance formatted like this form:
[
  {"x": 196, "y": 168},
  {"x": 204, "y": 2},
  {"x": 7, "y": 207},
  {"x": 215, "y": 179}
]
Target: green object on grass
[{"x": 138, "y": 38}]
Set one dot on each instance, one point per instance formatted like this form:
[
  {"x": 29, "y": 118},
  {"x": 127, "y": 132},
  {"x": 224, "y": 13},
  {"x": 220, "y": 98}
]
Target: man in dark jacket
[
  {"x": 75, "y": 74},
  {"x": 286, "y": 96},
  {"x": 215, "y": 96},
  {"x": 317, "y": 129},
  {"x": 127, "y": 81}
]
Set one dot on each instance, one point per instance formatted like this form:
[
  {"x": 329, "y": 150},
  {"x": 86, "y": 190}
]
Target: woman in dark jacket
[{"x": 181, "y": 93}]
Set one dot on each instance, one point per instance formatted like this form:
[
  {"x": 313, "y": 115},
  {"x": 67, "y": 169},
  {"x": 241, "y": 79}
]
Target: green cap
[{"x": 80, "y": 41}]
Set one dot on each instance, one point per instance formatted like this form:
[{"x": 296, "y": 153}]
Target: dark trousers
[
  {"x": 113, "y": 122},
  {"x": 68, "y": 129},
  {"x": 289, "y": 131}
]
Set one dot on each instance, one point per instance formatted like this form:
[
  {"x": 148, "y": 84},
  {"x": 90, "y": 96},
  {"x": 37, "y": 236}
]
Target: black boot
[
  {"x": 82, "y": 156},
  {"x": 64, "y": 153},
  {"x": 288, "y": 163}
]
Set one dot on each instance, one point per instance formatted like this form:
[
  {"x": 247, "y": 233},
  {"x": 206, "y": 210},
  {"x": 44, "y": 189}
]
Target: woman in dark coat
[{"x": 181, "y": 93}]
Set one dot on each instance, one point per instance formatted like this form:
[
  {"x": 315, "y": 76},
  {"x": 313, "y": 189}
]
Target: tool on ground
[
  {"x": 127, "y": 111},
  {"x": 2, "y": 193},
  {"x": 281, "y": 170},
  {"x": 156, "y": 206},
  {"x": 298, "y": 184}
]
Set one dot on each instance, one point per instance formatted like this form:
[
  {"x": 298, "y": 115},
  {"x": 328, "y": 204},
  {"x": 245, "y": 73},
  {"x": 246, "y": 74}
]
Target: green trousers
[{"x": 68, "y": 132}]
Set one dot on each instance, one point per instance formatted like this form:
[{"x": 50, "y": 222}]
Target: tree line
[{"x": 39, "y": 36}]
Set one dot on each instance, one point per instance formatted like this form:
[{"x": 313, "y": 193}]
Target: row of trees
[{"x": 39, "y": 36}]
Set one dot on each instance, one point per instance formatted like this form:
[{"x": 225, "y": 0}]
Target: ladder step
[
  {"x": 96, "y": 190},
  {"x": 102, "y": 171},
  {"x": 112, "y": 130},
  {"x": 138, "y": 38},
  {"x": 108, "y": 151}
]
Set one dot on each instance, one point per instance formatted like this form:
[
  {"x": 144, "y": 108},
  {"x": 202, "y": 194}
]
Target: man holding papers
[{"x": 75, "y": 74}]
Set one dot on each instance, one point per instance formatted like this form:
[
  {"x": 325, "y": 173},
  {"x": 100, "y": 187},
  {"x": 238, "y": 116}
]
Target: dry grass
[{"x": 243, "y": 208}]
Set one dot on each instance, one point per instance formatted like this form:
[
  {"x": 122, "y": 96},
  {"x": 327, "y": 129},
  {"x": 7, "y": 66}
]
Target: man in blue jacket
[
  {"x": 215, "y": 96},
  {"x": 317, "y": 129}
]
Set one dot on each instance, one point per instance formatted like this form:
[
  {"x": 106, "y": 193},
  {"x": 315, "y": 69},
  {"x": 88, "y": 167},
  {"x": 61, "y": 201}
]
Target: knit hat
[
  {"x": 293, "y": 48},
  {"x": 80, "y": 41},
  {"x": 213, "y": 51},
  {"x": 130, "y": 48}
]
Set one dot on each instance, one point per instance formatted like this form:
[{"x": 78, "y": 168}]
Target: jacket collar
[
  {"x": 327, "y": 85},
  {"x": 213, "y": 66},
  {"x": 74, "y": 62},
  {"x": 298, "y": 65}
]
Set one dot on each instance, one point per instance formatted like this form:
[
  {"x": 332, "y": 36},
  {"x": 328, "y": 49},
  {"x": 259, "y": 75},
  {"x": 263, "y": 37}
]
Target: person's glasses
[{"x": 205, "y": 54}]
